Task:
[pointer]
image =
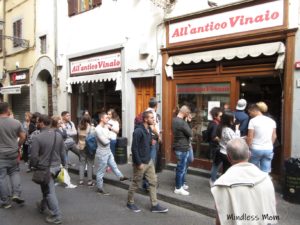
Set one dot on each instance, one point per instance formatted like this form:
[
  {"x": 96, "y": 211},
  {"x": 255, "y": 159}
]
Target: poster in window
[{"x": 212, "y": 104}]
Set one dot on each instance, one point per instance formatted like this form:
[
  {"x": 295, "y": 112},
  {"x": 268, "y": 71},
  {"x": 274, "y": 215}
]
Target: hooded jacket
[
  {"x": 245, "y": 195},
  {"x": 141, "y": 142}
]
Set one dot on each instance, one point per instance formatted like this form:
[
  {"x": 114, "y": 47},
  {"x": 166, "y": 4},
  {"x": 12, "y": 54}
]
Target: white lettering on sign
[
  {"x": 241, "y": 20},
  {"x": 96, "y": 63},
  {"x": 297, "y": 65},
  {"x": 21, "y": 76}
]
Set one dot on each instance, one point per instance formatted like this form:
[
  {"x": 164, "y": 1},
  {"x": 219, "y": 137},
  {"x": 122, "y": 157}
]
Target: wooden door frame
[{"x": 169, "y": 154}]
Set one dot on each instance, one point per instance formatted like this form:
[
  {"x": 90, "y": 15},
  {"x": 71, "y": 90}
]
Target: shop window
[
  {"x": 17, "y": 33},
  {"x": 201, "y": 98},
  {"x": 79, "y": 6},
  {"x": 43, "y": 42}
]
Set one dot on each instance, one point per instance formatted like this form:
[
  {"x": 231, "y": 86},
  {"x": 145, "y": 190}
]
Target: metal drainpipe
[
  {"x": 3, "y": 40},
  {"x": 54, "y": 106}
]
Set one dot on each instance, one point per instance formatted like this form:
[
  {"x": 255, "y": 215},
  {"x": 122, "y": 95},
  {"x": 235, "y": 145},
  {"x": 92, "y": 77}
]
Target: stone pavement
[{"x": 200, "y": 199}]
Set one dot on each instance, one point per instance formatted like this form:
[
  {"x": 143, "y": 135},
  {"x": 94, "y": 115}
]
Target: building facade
[
  {"x": 110, "y": 57},
  {"x": 217, "y": 55},
  {"x": 17, "y": 53}
]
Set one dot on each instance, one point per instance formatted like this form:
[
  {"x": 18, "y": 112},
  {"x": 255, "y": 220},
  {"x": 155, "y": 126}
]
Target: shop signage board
[
  {"x": 251, "y": 18},
  {"x": 19, "y": 77},
  {"x": 95, "y": 64},
  {"x": 204, "y": 89},
  {"x": 10, "y": 90}
]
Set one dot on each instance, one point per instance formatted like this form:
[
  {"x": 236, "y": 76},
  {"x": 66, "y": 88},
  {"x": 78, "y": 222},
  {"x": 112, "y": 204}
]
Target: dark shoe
[
  {"x": 5, "y": 205},
  {"x": 17, "y": 199},
  {"x": 133, "y": 207},
  {"x": 124, "y": 178},
  {"x": 39, "y": 208},
  {"x": 101, "y": 191},
  {"x": 159, "y": 209},
  {"x": 53, "y": 219}
]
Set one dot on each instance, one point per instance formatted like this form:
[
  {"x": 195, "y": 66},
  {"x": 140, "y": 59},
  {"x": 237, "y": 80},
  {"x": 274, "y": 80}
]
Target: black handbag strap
[{"x": 52, "y": 150}]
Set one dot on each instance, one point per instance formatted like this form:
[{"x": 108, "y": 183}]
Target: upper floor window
[
  {"x": 78, "y": 6},
  {"x": 43, "y": 42},
  {"x": 17, "y": 33}
]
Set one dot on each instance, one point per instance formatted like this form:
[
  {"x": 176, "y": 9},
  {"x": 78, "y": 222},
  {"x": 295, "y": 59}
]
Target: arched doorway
[
  {"x": 43, "y": 92},
  {"x": 44, "y": 102}
]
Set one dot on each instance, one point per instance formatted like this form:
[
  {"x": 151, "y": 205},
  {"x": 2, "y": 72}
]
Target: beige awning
[
  {"x": 229, "y": 54},
  {"x": 101, "y": 77}
]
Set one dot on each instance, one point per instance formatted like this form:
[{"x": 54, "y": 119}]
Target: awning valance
[
  {"x": 267, "y": 49},
  {"x": 117, "y": 76}
]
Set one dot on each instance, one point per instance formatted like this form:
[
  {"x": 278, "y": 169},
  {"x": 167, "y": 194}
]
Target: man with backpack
[{"x": 104, "y": 154}]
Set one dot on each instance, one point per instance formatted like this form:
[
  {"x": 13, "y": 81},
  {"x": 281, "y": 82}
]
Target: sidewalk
[{"x": 200, "y": 199}]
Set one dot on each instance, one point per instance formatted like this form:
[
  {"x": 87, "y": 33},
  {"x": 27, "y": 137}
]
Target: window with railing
[
  {"x": 79, "y": 6},
  {"x": 17, "y": 33}
]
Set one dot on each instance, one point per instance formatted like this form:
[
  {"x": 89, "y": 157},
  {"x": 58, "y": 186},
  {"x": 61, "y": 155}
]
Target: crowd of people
[
  {"x": 234, "y": 138},
  {"x": 44, "y": 143}
]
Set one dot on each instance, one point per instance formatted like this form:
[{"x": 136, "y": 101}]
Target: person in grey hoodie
[
  {"x": 41, "y": 150},
  {"x": 104, "y": 154}
]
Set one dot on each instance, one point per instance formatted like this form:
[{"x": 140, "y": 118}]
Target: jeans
[
  {"x": 214, "y": 171},
  {"x": 153, "y": 153},
  {"x": 182, "y": 159},
  {"x": 149, "y": 172},
  {"x": 113, "y": 146},
  {"x": 9, "y": 168},
  {"x": 104, "y": 160},
  {"x": 262, "y": 159},
  {"x": 85, "y": 160},
  {"x": 49, "y": 199}
]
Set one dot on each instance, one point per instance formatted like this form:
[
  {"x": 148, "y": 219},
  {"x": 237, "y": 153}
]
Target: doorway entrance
[
  {"x": 144, "y": 89},
  {"x": 269, "y": 90}
]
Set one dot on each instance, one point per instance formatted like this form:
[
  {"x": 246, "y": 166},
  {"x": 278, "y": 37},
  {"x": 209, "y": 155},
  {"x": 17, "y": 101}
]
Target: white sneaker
[
  {"x": 181, "y": 191},
  {"x": 185, "y": 187},
  {"x": 211, "y": 183}
]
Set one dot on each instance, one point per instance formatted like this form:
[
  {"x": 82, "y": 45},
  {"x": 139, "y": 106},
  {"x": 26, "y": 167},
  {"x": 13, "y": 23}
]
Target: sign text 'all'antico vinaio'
[
  {"x": 96, "y": 64},
  {"x": 240, "y": 20}
]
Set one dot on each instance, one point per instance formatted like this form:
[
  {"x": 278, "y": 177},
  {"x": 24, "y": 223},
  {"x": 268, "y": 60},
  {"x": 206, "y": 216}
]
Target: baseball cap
[{"x": 241, "y": 104}]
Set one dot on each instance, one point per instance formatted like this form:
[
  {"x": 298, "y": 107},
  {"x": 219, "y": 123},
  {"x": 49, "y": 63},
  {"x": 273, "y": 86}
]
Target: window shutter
[
  {"x": 1, "y": 40},
  {"x": 97, "y": 2},
  {"x": 15, "y": 42},
  {"x": 72, "y": 7}
]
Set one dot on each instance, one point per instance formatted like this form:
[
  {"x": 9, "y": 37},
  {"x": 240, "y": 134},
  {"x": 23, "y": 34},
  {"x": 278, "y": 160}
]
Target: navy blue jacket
[
  {"x": 243, "y": 119},
  {"x": 141, "y": 142}
]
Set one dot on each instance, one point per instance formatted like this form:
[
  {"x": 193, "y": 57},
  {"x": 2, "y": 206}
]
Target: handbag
[{"x": 42, "y": 176}]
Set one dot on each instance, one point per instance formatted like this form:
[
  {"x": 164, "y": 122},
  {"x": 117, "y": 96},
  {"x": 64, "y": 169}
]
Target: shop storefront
[
  {"x": 18, "y": 93},
  {"x": 215, "y": 58},
  {"x": 95, "y": 82}
]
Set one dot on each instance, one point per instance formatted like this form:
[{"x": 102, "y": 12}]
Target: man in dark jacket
[
  {"x": 40, "y": 158},
  {"x": 241, "y": 117},
  {"x": 143, "y": 164},
  {"x": 181, "y": 145}
]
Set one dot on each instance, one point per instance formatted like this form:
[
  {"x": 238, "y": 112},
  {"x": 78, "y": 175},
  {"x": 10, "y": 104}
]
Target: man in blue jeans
[
  {"x": 181, "y": 145},
  {"x": 10, "y": 131}
]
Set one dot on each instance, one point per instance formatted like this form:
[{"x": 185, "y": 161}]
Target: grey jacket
[{"x": 41, "y": 148}]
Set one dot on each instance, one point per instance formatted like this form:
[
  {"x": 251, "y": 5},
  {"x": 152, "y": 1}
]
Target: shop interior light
[{"x": 243, "y": 84}]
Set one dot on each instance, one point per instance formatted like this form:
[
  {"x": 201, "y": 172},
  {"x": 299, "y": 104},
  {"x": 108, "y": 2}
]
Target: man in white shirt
[{"x": 261, "y": 137}]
